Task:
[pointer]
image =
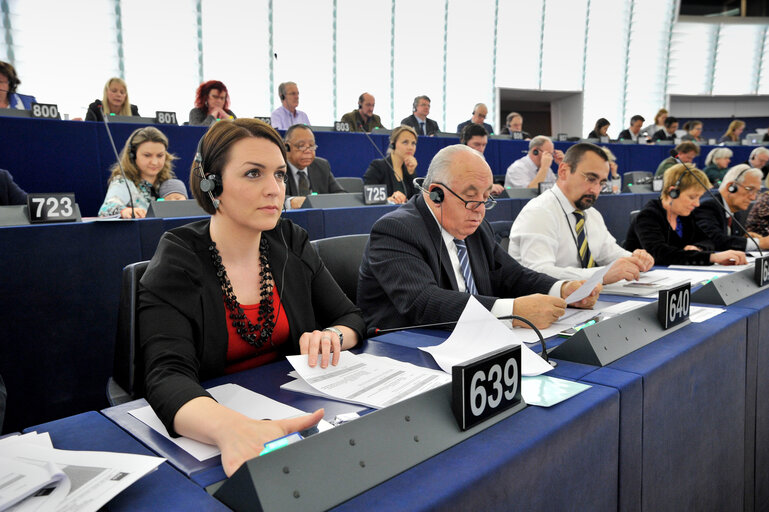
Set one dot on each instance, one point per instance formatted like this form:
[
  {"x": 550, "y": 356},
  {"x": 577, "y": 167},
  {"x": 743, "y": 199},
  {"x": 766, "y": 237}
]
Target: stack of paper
[
  {"x": 364, "y": 379},
  {"x": 34, "y": 476}
]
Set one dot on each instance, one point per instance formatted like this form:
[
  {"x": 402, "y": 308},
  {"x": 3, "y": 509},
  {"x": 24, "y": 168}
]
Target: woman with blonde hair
[
  {"x": 666, "y": 229},
  {"x": 147, "y": 164},
  {"x": 114, "y": 102},
  {"x": 734, "y": 131},
  {"x": 399, "y": 168},
  {"x": 658, "y": 124}
]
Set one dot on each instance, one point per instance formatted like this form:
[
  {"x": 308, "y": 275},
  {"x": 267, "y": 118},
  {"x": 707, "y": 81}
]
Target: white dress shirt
[
  {"x": 543, "y": 238},
  {"x": 522, "y": 171},
  {"x": 502, "y": 306}
]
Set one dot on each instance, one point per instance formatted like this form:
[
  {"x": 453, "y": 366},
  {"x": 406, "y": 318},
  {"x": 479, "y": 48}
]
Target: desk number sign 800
[{"x": 486, "y": 386}]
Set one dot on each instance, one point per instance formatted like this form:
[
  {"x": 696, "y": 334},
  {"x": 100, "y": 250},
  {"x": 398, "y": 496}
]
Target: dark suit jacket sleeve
[
  {"x": 377, "y": 173},
  {"x": 710, "y": 218},
  {"x": 432, "y": 127},
  {"x": 411, "y": 121},
  {"x": 349, "y": 118},
  {"x": 10, "y": 192},
  {"x": 653, "y": 235},
  {"x": 322, "y": 179},
  {"x": 625, "y": 134}
]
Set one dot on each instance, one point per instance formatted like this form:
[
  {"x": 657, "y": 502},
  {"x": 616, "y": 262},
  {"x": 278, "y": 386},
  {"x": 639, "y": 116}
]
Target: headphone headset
[
  {"x": 132, "y": 148},
  {"x": 210, "y": 184},
  {"x": 282, "y": 97},
  {"x": 392, "y": 145},
  {"x": 535, "y": 152},
  {"x": 288, "y": 146},
  {"x": 437, "y": 195},
  {"x": 675, "y": 192},
  {"x": 733, "y": 187}
]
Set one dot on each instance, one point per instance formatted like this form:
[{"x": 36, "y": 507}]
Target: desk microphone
[
  {"x": 119, "y": 164},
  {"x": 674, "y": 154},
  {"x": 376, "y": 147},
  {"x": 375, "y": 331}
]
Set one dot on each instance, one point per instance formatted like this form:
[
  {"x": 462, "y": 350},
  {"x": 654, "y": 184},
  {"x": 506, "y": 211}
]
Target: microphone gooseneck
[
  {"x": 119, "y": 164},
  {"x": 376, "y": 147},
  {"x": 374, "y": 331},
  {"x": 674, "y": 154}
]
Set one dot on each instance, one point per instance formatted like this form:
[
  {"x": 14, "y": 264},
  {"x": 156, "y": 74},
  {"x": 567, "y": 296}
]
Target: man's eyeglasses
[
  {"x": 471, "y": 205},
  {"x": 304, "y": 147},
  {"x": 749, "y": 190},
  {"x": 593, "y": 179}
]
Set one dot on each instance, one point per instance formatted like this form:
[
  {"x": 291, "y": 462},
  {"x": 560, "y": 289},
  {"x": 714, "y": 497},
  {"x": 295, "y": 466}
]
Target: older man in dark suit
[
  {"x": 424, "y": 259},
  {"x": 419, "y": 120},
  {"x": 307, "y": 173}
]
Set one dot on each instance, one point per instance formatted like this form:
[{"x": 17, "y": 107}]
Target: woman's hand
[
  {"x": 324, "y": 343},
  {"x": 246, "y": 437},
  {"x": 219, "y": 113},
  {"x": 729, "y": 258},
  {"x": 691, "y": 248},
  {"x": 139, "y": 213},
  {"x": 398, "y": 197},
  {"x": 411, "y": 164}
]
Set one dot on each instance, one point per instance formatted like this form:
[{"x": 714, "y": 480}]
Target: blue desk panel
[
  {"x": 164, "y": 489},
  {"x": 757, "y": 394},
  {"x": 59, "y": 302}
]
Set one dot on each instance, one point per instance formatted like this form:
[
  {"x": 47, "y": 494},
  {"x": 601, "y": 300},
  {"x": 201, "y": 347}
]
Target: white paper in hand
[
  {"x": 588, "y": 286},
  {"x": 478, "y": 332}
]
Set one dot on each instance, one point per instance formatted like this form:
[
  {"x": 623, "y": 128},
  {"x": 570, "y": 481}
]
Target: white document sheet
[
  {"x": 714, "y": 268},
  {"x": 588, "y": 286},
  {"x": 478, "y": 332},
  {"x": 84, "y": 481},
  {"x": 235, "y": 397},
  {"x": 660, "y": 279},
  {"x": 373, "y": 382}
]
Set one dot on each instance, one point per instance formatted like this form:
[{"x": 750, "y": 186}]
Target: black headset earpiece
[
  {"x": 733, "y": 187},
  {"x": 392, "y": 145},
  {"x": 535, "y": 152},
  {"x": 436, "y": 194},
  {"x": 676, "y": 191},
  {"x": 288, "y": 147},
  {"x": 132, "y": 149},
  {"x": 210, "y": 184},
  {"x": 282, "y": 97}
]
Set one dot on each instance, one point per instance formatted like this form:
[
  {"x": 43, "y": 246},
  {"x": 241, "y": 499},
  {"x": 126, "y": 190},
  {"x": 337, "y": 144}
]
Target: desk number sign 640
[{"x": 674, "y": 305}]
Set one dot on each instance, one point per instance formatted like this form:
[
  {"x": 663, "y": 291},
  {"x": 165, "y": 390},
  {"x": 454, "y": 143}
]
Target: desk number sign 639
[
  {"x": 674, "y": 305},
  {"x": 486, "y": 386}
]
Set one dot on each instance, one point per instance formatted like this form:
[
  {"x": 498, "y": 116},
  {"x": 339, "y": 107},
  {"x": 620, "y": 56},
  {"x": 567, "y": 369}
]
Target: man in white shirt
[
  {"x": 559, "y": 233},
  {"x": 534, "y": 168}
]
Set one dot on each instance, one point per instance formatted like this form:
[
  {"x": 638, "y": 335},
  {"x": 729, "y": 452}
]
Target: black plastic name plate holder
[
  {"x": 375, "y": 194},
  {"x": 485, "y": 386},
  {"x": 608, "y": 340},
  {"x": 185, "y": 208},
  {"x": 132, "y": 120},
  {"x": 761, "y": 275},
  {"x": 728, "y": 289},
  {"x": 340, "y": 200},
  {"x": 54, "y": 207},
  {"x": 329, "y": 468}
]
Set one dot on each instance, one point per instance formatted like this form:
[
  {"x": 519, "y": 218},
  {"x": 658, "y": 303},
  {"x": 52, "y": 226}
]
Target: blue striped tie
[{"x": 464, "y": 264}]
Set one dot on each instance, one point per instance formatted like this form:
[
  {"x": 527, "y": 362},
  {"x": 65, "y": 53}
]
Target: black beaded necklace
[{"x": 266, "y": 321}]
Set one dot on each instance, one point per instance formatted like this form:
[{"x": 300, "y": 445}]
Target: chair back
[
  {"x": 342, "y": 256},
  {"x": 127, "y": 381},
  {"x": 502, "y": 232},
  {"x": 352, "y": 185}
]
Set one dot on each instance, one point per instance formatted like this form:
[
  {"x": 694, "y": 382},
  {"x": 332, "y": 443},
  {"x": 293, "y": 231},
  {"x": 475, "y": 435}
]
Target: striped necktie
[
  {"x": 304, "y": 184},
  {"x": 464, "y": 264},
  {"x": 584, "y": 251}
]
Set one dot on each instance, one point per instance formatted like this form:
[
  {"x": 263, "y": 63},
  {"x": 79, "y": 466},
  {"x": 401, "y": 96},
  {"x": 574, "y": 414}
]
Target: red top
[{"x": 242, "y": 356}]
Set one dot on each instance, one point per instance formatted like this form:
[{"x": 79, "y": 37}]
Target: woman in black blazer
[
  {"x": 600, "y": 129},
  {"x": 235, "y": 291},
  {"x": 399, "y": 168},
  {"x": 114, "y": 101},
  {"x": 666, "y": 229}
]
